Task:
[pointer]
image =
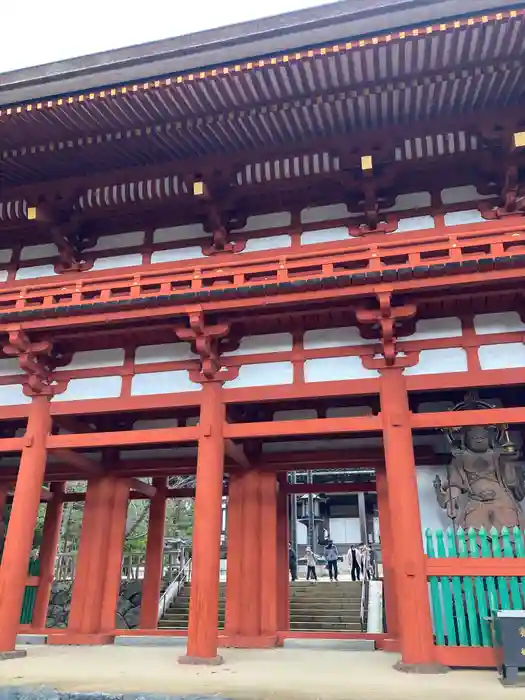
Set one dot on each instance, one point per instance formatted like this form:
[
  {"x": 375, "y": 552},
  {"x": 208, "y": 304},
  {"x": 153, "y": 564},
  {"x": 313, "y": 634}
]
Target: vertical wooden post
[
  {"x": 283, "y": 585},
  {"x": 22, "y": 523},
  {"x": 154, "y": 557},
  {"x": 387, "y": 556},
  {"x": 48, "y": 552},
  {"x": 415, "y": 624},
  {"x": 251, "y": 557},
  {"x": 111, "y": 579},
  {"x": 268, "y": 557},
  {"x": 234, "y": 555},
  {"x": 97, "y": 575},
  {"x": 204, "y": 601}
]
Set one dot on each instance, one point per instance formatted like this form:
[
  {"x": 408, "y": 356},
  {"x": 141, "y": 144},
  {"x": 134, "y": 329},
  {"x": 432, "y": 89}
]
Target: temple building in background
[{"x": 284, "y": 258}]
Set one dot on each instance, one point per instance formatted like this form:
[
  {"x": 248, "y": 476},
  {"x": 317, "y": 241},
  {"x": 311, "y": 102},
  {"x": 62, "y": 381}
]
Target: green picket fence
[
  {"x": 28, "y": 604},
  {"x": 462, "y": 604}
]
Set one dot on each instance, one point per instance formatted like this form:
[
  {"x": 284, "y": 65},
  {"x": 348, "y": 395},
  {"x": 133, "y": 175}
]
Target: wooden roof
[{"x": 352, "y": 88}]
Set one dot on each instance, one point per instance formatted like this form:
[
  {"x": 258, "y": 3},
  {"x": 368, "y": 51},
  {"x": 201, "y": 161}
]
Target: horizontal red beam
[
  {"x": 122, "y": 438},
  {"x": 475, "y": 567},
  {"x": 484, "y": 416},
  {"x": 314, "y": 426},
  {"x": 466, "y": 657}
]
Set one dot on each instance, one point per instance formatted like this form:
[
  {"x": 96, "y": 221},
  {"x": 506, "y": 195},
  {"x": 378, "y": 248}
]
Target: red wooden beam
[
  {"x": 483, "y": 416},
  {"x": 121, "y": 438},
  {"x": 142, "y": 488},
  {"x": 236, "y": 454},
  {"x": 84, "y": 464},
  {"x": 313, "y": 426}
]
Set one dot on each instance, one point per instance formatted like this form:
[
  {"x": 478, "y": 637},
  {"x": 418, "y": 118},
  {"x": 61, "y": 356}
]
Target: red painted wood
[{"x": 22, "y": 522}]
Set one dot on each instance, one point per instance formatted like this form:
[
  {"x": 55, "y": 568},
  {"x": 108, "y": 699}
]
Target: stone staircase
[
  {"x": 176, "y": 617},
  {"x": 318, "y": 607},
  {"x": 325, "y": 606}
]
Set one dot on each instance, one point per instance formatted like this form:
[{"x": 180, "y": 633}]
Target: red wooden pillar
[
  {"x": 24, "y": 513},
  {"x": 234, "y": 554},
  {"x": 154, "y": 557},
  {"x": 97, "y": 575},
  {"x": 251, "y": 602},
  {"x": 204, "y": 601},
  {"x": 282, "y": 538},
  {"x": 387, "y": 556},
  {"x": 409, "y": 565},
  {"x": 114, "y": 550},
  {"x": 268, "y": 558},
  {"x": 48, "y": 552}
]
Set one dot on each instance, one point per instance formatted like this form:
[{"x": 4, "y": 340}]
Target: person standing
[
  {"x": 292, "y": 562},
  {"x": 354, "y": 562},
  {"x": 331, "y": 554},
  {"x": 311, "y": 562}
]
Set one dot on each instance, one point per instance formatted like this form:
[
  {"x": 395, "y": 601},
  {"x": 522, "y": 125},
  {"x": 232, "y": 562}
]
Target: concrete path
[{"x": 287, "y": 674}]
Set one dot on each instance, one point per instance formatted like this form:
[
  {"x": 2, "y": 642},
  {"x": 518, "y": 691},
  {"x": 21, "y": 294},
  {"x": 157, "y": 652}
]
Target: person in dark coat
[{"x": 292, "y": 562}]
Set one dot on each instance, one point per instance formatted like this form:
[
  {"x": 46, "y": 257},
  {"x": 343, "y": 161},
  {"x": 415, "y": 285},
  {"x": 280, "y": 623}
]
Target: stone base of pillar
[
  {"x": 15, "y": 654},
  {"x": 80, "y": 639},
  {"x": 390, "y": 645},
  {"x": 201, "y": 661},
  {"x": 423, "y": 669},
  {"x": 237, "y": 641}
]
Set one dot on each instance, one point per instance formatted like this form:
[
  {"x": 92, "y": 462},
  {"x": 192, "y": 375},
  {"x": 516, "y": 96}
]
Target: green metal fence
[
  {"x": 26, "y": 616},
  {"x": 461, "y": 605}
]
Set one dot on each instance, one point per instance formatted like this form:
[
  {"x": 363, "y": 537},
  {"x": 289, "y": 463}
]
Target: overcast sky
[{"x": 37, "y": 31}]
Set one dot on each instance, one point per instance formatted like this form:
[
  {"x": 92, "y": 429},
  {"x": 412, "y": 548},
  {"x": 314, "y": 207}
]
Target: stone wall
[{"x": 128, "y": 604}]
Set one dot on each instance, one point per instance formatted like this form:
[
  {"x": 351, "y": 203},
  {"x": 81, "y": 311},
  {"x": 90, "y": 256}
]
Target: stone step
[
  {"x": 334, "y": 620},
  {"x": 320, "y": 626}
]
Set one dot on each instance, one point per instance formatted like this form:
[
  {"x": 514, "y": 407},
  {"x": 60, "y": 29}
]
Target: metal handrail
[
  {"x": 175, "y": 587},
  {"x": 363, "y": 605}
]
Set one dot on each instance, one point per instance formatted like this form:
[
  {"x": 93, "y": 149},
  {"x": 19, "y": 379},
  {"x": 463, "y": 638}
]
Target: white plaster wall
[
  {"x": 166, "y": 352},
  {"x": 253, "y": 245},
  {"x": 432, "y": 328},
  {"x": 439, "y": 361},
  {"x": 10, "y": 366},
  {"x": 331, "y": 212},
  {"x": 502, "y": 356},
  {"x": 13, "y": 395},
  {"x": 345, "y": 411},
  {"x": 155, "y": 423},
  {"x": 263, "y": 221},
  {"x": 177, "y": 254},
  {"x": 3, "y": 275},
  {"x": 259, "y": 344},
  {"x": 114, "y": 262},
  {"x": 504, "y": 322},
  {"x": 411, "y": 200},
  {"x": 5, "y": 255},
  {"x": 119, "y": 240},
  {"x": 330, "y": 369},
  {"x": 179, "y": 233},
  {"x": 296, "y": 414},
  {"x": 334, "y": 338},
  {"x": 465, "y": 193},
  {"x": 262, "y": 374},
  {"x": 325, "y": 235},
  {"x": 31, "y": 273},
  {"x": 88, "y": 388},
  {"x": 95, "y": 359},
  {"x": 415, "y": 223},
  {"x": 459, "y": 218},
  {"x": 432, "y": 516},
  {"x": 171, "y": 382},
  {"x": 37, "y": 252}
]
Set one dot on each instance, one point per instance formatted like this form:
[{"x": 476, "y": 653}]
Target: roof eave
[{"x": 286, "y": 32}]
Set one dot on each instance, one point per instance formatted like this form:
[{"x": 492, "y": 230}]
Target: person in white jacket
[{"x": 311, "y": 562}]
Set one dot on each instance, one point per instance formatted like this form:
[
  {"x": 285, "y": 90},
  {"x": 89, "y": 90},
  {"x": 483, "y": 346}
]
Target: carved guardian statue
[{"x": 485, "y": 482}]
